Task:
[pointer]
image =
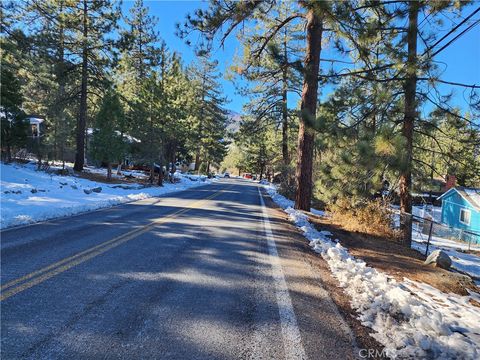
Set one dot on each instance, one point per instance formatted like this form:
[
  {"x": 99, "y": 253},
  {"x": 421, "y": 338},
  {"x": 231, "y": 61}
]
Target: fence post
[{"x": 429, "y": 237}]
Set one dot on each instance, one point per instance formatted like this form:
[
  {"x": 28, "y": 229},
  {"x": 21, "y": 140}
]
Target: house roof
[
  {"x": 471, "y": 195},
  {"x": 35, "y": 120}
]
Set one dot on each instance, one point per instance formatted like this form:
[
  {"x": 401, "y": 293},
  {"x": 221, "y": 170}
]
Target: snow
[
  {"x": 29, "y": 196},
  {"x": 474, "y": 195},
  {"x": 411, "y": 319},
  {"x": 35, "y": 121},
  {"x": 135, "y": 173},
  {"x": 428, "y": 211},
  {"x": 317, "y": 212},
  {"x": 468, "y": 263},
  {"x": 462, "y": 261}
]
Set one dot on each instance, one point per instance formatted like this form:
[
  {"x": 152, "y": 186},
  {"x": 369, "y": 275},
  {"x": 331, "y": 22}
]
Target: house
[
  {"x": 37, "y": 127},
  {"x": 461, "y": 208}
]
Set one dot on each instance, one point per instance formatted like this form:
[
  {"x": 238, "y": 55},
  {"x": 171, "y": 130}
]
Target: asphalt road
[{"x": 207, "y": 273}]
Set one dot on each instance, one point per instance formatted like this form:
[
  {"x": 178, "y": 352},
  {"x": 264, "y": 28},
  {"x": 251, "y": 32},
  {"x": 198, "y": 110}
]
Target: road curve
[{"x": 206, "y": 273}]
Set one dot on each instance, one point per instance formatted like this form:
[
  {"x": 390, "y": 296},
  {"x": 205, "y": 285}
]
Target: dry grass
[{"x": 369, "y": 217}]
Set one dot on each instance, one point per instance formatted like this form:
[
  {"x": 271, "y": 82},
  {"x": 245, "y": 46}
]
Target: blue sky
[{"x": 461, "y": 59}]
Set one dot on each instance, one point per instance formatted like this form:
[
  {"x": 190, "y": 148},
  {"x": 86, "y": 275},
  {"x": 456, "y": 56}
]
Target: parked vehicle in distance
[
  {"x": 247, "y": 176},
  {"x": 226, "y": 175}
]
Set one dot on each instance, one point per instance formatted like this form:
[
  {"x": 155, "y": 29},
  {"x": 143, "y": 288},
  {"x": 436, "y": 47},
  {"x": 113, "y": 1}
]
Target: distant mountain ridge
[{"x": 234, "y": 120}]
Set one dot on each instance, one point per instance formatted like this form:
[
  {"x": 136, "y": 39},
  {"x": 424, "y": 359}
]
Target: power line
[
  {"x": 456, "y": 37},
  {"x": 451, "y": 31}
]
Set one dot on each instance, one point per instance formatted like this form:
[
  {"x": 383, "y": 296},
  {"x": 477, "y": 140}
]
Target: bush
[
  {"x": 286, "y": 181},
  {"x": 372, "y": 217}
]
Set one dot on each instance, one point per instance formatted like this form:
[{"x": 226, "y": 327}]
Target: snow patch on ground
[
  {"x": 411, "y": 319},
  {"x": 464, "y": 262},
  {"x": 467, "y": 263},
  {"x": 29, "y": 196}
]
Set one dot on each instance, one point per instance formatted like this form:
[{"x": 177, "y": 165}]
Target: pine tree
[
  {"x": 96, "y": 19},
  {"x": 260, "y": 148},
  {"x": 138, "y": 41},
  {"x": 13, "y": 124},
  {"x": 399, "y": 67},
  {"x": 51, "y": 40},
  {"x": 210, "y": 117},
  {"x": 108, "y": 144},
  {"x": 446, "y": 145},
  {"x": 232, "y": 14},
  {"x": 275, "y": 74},
  {"x": 137, "y": 82}
]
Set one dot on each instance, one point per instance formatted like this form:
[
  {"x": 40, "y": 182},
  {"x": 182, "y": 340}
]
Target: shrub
[
  {"x": 286, "y": 181},
  {"x": 372, "y": 217}
]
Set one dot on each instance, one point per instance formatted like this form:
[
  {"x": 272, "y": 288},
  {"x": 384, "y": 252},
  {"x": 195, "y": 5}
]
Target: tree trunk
[
  {"x": 410, "y": 88},
  {"x": 152, "y": 173},
  {"x": 109, "y": 171},
  {"x": 200, "y": 124},
  {"x": 82, "y": 118},
  {"x": 306, "y": 134},
  {"x": 285, "y": 154},
  {"x": 119, "y": 168},
  {"x": 197, "y": 160},
  {"x": 160, "y": 173},
  {"x": 9, "y": 153},
  {"x": 61, "y": 78},
  {"x": 174, "y": 168},
  {"x": 39, "y": 162}
]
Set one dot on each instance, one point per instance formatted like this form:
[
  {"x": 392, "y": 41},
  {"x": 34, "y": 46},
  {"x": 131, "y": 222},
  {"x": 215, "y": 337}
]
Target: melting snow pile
[
  {"x": 411, "y": 319},
  {"x": 29, "y": 196}
]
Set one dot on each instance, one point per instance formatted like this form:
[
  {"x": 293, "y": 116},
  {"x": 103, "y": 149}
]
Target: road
[{"x": 207, "y": 273}]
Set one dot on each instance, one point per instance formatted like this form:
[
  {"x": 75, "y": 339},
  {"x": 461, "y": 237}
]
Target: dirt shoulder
[
  {"x": 395, "y": 259},
  {"x": 326, "y": 280}
]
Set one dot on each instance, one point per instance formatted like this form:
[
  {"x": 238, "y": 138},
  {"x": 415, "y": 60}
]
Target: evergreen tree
[
  {"x": 231, "y": 14},
  {"x": 139, "y": 84},
  {"x": 275, "y": 74},
  {"x": 51, "y": 68},
  {"x": 108, "y": 144},
  {"x": 210, "y": 118},
  {"x": 13, "y": 123},
  {"x": 96, "y": 19},
  {"x": 444, "y": 145},
  {"x": 260, "y": 148},
  {"x": 137, "y": 42},
  {"x": 394, "y": 62}
]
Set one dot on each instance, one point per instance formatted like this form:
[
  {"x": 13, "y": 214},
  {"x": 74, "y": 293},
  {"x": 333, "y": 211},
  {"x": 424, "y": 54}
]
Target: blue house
[{"x": 461, "y": 208}]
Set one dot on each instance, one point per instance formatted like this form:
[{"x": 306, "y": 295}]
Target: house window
[{"x": 465, "y": 216}]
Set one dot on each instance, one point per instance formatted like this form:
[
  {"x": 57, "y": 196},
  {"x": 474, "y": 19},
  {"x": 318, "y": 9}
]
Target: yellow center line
[{"x": 74, "y": 260}]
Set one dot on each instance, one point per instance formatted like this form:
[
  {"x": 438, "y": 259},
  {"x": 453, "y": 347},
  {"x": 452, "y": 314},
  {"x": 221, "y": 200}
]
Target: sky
[{"x": 460, "y": 61}]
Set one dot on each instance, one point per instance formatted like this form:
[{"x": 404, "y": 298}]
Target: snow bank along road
[{"x": 206, "y": 273}]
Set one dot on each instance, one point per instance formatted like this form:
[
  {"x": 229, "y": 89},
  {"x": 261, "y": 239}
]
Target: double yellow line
[{"x": 20, "y": 284}]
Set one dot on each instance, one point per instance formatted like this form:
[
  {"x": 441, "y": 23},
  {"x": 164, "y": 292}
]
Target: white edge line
[{"x": 292, "y": 340}]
